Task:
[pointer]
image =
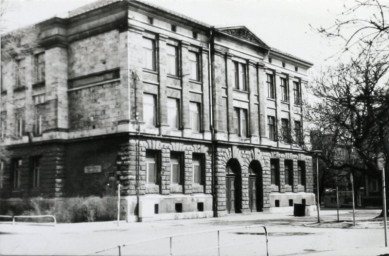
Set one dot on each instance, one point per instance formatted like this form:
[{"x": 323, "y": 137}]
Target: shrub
[{"x": 75, "y": 209}]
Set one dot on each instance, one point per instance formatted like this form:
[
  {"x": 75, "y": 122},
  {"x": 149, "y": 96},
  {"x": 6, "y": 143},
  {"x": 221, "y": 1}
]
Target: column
[
  {"x": 230, "y": 90},
  {"x": 262, "y": 89},
  {"x": 185, "y": 85},
  {"x": 162, "y": 98},
  {"x": 253, "y": 111}
]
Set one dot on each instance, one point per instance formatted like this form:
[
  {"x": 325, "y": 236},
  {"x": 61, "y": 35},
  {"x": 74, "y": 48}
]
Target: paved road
[{"x": 288, "y": 235}]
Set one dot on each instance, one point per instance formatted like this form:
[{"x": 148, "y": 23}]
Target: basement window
[
  {"x": 200, "y": 207},
  {"x": 178, "y": 207},
  {"x": 290, "y": 202},
  {"x": 277, "y": 203}
]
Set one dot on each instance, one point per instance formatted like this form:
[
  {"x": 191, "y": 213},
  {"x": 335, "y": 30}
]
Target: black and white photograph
[{"x": 194, "y": 127}]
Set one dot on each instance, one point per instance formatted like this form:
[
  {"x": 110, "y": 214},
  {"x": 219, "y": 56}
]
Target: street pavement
[{"x": 240, "y": 234}]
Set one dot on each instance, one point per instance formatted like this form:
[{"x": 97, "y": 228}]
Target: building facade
[{"x": 191, "y": 120}]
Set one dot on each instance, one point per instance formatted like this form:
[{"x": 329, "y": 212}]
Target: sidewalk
[{"x": 296, "y": 235}]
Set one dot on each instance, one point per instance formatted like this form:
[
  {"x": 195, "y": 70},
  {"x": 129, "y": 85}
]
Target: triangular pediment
[{"x": 243, "y": 33}]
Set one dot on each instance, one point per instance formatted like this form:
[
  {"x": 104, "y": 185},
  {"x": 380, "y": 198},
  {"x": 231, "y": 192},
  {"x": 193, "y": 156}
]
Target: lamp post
[
  {"x": 118, "y": 204},
  {"x": 317, "y": 153},
  {"x": 381, "y": 166}
]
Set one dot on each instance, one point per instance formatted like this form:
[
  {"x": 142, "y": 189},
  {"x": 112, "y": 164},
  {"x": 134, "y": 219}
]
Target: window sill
[
  {"x": 271, "y": 99},
  {"x": 39, "y": 85},
  {"x": 150, "y": 71},
  {"x": 242, "y": 91},
  {"x": 173, "y": 76},
  {"x": 285, "y": 102},
  {"x": 195, "y": 81}
]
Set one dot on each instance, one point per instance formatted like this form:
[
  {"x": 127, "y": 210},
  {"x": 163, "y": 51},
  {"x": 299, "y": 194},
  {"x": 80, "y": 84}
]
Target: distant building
[
  {"x": 367, "y": 185},
  {"x": 192, "y": 121}
]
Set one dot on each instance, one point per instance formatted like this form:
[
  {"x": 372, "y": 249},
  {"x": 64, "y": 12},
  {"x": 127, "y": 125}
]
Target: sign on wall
[{"x": 92, "y": 169}]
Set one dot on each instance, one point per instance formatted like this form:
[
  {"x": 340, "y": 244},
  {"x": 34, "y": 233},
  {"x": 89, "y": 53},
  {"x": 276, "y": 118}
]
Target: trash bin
[{"x": 299, "y": 210}]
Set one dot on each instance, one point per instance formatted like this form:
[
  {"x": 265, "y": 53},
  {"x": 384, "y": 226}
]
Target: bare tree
[{"x": 363, "y": 27}]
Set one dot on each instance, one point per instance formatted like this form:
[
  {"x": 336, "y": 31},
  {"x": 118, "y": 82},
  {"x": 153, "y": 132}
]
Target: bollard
[
  {"x": 120, "y": 250},
  {"x": 171, "y": 246},
  {"x": 218, "y": 242}
]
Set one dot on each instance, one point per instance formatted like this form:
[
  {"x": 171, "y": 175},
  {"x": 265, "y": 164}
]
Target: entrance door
[
  {"x": 230, "y": 182},
  {"x": 255, "y": 187},
  {"x": 253, "y": 193}
]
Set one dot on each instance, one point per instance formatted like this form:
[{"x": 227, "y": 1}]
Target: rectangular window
[
  {"x": 149, "y": 109},
  {"x": 149, "y": 54},
  {"x": 301, "y": 172},
  {"x": 195, "y": 114},
  {"x": 285, "y": 130},
  {"x": 176, "y": 170},
  {"x": 289, "y": 172},
  {"x": 297, "y": 93},
  {"x": 198, "y": 169},
  {"x": 35, "y": 172},
  {"x": 16, "y": 168},
  {"x": 39, "y": 99},
  {"x": 271, "y": 92},
  {"x": 275, "y": 172},
  {"x": 20, "y": 73},
  {"x": 19, "y": 126},
  {"x": 3, "y": 127},
  {"x": 240, "y": 76},
  {"x": 152, "y": 173},
  {"x": 284, "y": 90},
  {"x": 2, "y": 164},
  {"x": 271, "y": 125},
  {"x": 298, "y": 132},
  {"x": 194, "y": 62},
  {"x": 38, "y": 126},
  {"x": 39, "y": 67},
  {"x": 173, "y": 108},
  {"x": 172, "y": 58},
  {"x": 240, "y": 122}
]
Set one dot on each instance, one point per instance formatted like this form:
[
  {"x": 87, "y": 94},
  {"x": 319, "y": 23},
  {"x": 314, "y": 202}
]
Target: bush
[{"x": 75, "y": 209}]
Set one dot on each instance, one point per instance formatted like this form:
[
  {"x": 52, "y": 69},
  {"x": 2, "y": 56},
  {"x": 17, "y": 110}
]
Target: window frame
[
  {"x": 285, "y": 130},
  {"x": 20, "y": 74},
  {"x": 241, "y": 116},
  {"x": 16, "y": 164},
  {"x": 271, "y": 92},
  {"x": 194, "y": 114},
  {"x": 301, "y": 173},
  {"x": 284, "y": 89},
  {"x": 271, "y": 126},
  {"x": 152, "y": 155},
  {"x": 40, "y": 65},
  {"x": 177, "y": 126},
  {"x": 297, "y": 93},
  {"x": 173, "y": 59},
  {"x": 194, "y": 63},
  {"x": 35, "y": 171},
  {"x": 288, "y": 172},
  {"x": 153, "y": 51},
  {"x": 240, "y": 76},
  {"x": 298, "y": 132},
  {"x": 154, "y": 107},
  {"x": 176, "y": 158},
  {"x": 200, "y": 158},
  {"x": 275, "y": 172}
]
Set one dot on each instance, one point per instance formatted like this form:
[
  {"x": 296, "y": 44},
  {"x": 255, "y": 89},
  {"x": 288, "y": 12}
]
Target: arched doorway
[
  {"x": 234, "y": 186},
  {"x": 255, "y": 187}
]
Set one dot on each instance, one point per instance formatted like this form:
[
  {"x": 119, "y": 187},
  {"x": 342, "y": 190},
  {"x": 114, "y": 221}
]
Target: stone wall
[
  {"x": 52, "y": 168},
  {"x": 94, "y": 54}
]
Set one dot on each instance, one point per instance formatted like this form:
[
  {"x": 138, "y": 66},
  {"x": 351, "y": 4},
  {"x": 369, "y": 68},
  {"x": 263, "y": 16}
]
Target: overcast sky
[{"x": 284, "y": 24}]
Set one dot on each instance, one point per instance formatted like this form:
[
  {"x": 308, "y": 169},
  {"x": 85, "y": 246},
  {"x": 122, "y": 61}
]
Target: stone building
[{"x": 191, "y": 120}]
